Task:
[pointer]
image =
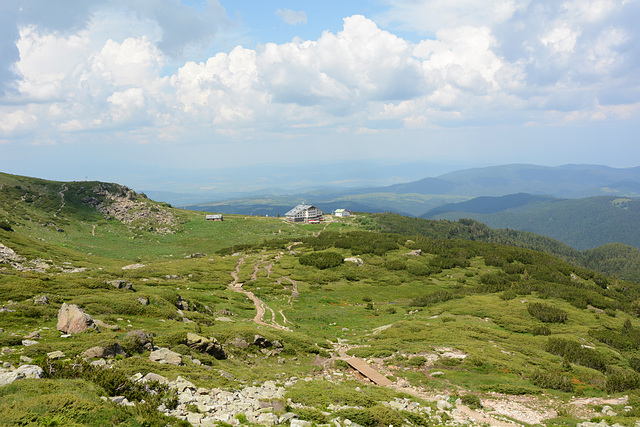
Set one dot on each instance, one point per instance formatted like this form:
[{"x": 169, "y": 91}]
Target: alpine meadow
[
  {"x": 362, "y": 213},
  {"x": 122, "y": 310}
]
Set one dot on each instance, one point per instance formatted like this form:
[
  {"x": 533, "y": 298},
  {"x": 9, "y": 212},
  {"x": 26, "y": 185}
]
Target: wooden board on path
[{"x": 366, "y": 370}]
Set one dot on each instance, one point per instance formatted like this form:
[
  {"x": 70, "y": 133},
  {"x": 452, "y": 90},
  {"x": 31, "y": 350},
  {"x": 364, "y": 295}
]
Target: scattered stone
[
  {"x": 72, "y": 319},
  {"x": 417, "y": 252},
  {"x": 267, "y": 419},
  {"x": 41, "y": 300},
  {"x": 26, "y": 359},
  {"x": 121, "y": 400},
  {"x": 121, "y": 284},
  {"x": 140, "y": 340},
  {"x": 100, "y": 324},
  {"x": 35, "y": 335},
  {"x": 300, "y": 423},
  {"x": 154, "y": 377},
  {"x": 261, "y": 341},
  {"x": 164, "y": 355},
  {"x": 181, "y": 304},
  {"x": 143, "y": 300},
  {"x": 444, "y": 405},
  {"x": 133, "y": 266},
  {"x": 55, "y": 355},
  {"x": 210, "y": 346},
  {"x": 28, "y": 343},
  {"x": 109, "y": 351}
]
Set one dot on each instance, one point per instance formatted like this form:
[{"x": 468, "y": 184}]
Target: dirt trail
[
  {"x": 236, "y": 285},
  {"x": 61, "y": 194}
]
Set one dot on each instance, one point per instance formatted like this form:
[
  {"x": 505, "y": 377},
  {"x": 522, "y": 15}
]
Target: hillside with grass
[
  {"x": 580, "y": 223},
  {"x": 255, "y": 321}
]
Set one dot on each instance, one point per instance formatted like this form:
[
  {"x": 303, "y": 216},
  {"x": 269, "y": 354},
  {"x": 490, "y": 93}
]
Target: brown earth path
[{"x": 236, "y": 285}]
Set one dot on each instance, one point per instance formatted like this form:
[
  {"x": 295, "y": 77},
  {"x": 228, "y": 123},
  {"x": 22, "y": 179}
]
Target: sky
[{"x": 208, "y": 95}]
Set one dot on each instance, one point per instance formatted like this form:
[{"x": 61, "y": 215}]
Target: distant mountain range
[{"x": 417, "y": 197}]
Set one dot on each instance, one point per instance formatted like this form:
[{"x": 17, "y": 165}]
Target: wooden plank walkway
[{"x": 366, "y": 370}]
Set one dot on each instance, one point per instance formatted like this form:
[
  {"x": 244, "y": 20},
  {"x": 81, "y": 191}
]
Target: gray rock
[
  {"x": 41, "y": 300},
  {"x": 239, "y": 342},
  {"x": 35, "y": 335},
  {"x": 267, "y": 419},
  {"x": 109, "y": 351},
  {"x": 300, "y": 423},
  {"x": 27, "y": 343},
  {"x": 154, "y": 377},
  {"x": 121, "y": 284},
  {"x": 143, "y": 300},
  {"x": 261, "y": 341},
  {"x": 181, "y": 304},
  {"x": 30, "y": 371},
  {"x": 140, "y": 340},
  {"x": 443, "y": 405},
  {"x": 181, "y": 385},
  {"x": 72, "y": 319},
  {"x": 164, "y": 355},
  {"x": 357, "y": 261},
  {"x": 287, "y": 417},
  {"x": 206, "y": 345},
  {"x": 55, "y": 355}
]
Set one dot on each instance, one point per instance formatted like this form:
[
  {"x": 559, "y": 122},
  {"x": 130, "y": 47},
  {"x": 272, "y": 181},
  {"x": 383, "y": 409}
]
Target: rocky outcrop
[
  {"x": 72, "y": 320},
  {"x": 206, "y": 345},
  {"x": 125, "y": 205},
  {"x": 164, "y": 355},
  {"x": 357, "y": 261}
]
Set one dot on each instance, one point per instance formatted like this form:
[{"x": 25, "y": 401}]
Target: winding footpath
[{"x": 236, "y": 285}]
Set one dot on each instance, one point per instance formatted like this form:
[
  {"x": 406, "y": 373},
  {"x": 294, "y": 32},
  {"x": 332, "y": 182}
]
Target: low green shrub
[
  {"x": 574, "y": 352},
  {"x": 541, "y": 330},
  {"x": 471, "y": 400},
  {"x": 547, "y": 313},
  {"x": 552, "y": 380},
  {"x": 322, "y": 260}
]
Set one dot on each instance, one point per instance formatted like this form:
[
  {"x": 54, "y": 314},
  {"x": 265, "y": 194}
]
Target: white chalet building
[{"x": 304, "y": 213}]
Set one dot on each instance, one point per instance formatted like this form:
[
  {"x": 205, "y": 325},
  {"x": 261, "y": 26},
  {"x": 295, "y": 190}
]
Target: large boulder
[
  {"x": 105, "y": 352},
  {"x": 164, "y": 355},
  {"x": 206, "y": 345},
  {"x": 24, "y": 371},
  {"x": 72, "y": 320}
]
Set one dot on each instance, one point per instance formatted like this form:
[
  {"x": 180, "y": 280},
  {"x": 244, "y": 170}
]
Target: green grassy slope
[
  {"x": 614, "y": 259},
  {"x": 434, "y": 314}
]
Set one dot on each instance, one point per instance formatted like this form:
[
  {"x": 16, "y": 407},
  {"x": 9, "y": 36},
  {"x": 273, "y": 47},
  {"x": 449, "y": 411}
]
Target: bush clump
[
  {"x": 552, "y": 380},
  {"x": 573, "y": 352},
  {"x": 541, "y": 330},
  {"x": 322, "y": 260},
  {"x": 547, "y": 313}
]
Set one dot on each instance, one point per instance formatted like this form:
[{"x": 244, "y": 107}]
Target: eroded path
[{"x": 261, "y": 307}]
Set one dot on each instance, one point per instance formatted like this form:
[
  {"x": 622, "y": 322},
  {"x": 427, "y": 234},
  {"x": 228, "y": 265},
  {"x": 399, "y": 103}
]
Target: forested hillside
[
  {"x": 580, "y": 223},
  {"x": 614, "y": 259}
]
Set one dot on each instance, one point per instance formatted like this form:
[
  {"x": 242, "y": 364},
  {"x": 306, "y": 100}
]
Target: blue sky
[{"x": 229, "y": 95}]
